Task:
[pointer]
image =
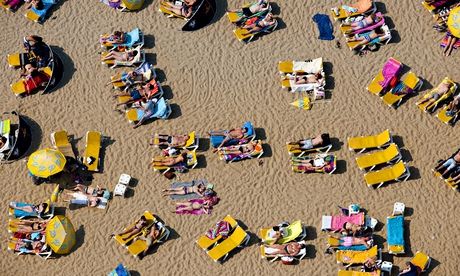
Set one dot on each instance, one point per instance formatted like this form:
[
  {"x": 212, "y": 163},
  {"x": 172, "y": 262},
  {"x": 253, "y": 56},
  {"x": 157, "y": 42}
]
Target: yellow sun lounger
[
  {"x": 385, "y": 156},
  {"x": 362, "y": 143},
  {"x": 60, "y": 141},
  {"x": 451, "y": 183},
  {"x": 205, "y": 243},
  {"x": 446, "y": 119},
  {"x": 18, "y": 59},
  {"x": 19, "y": 87},
  {"x": 356, "y": 257},
  {"x": 430, "y": 107},
  {"x": 93, "y": 148},
  {"x": 421, "y": 260},
  {"x": 237, "y": 238},
  {"x": 139, "y": 246},
  {"x": 150, "y": 221},
  {"x": 398, "y": 172},
  {"x": 411, "y": 81},
  {"x": 362, "y": 6},
  {"x": 191, "y": 144},
  {"x": 295, "y": 230},
  {"x": 375, "y": 86},
  {"x": 358, "y": 273},
  {"x": 167, "y": 12}
]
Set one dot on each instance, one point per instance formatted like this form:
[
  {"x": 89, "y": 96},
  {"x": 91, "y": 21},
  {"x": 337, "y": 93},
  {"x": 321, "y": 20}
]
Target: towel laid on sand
[{"x": 324, "y": 26}]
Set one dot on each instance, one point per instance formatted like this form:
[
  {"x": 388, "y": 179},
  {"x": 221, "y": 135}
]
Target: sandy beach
[{"x": 213, "y": 81}]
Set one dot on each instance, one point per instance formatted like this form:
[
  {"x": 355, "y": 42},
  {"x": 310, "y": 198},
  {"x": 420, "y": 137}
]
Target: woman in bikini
[
  {"x": 254, "y": 26},
  {"x": 204, "y": 204},
  {"x": 39, "y": 209},
  {"x": 117, "y": 37},
  {"x": 152, "y": 235},
  {"x": 365, "y": 38},
  {"x": 171, "y": 140},
  {"x": 367, "y": 21},
  {"x": 196, "y": 189},
  {"x": 138, "y": 226},
  {"x": 29, "y": 226},
  {"x": 351, "y": 229},
  {"x": 290, "y": 249},
  {"x": 120, "y": 56}
]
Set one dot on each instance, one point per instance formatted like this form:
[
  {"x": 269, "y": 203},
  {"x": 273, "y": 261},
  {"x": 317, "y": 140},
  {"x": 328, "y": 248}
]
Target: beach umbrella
[
  {"x": 303, "y": 103},
  {"x": 46, "y": 162},
  {"x": 60, "y": 234},
  {"x": 453, "y": 22},
  {"x": 133, "y": 5}
]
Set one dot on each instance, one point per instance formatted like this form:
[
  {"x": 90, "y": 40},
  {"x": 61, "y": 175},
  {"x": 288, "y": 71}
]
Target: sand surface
[{"x": 214, "y": 81}]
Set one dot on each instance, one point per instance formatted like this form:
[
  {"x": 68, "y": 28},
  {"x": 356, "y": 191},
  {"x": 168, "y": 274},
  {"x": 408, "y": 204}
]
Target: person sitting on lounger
[
  {"x": 290, "y": 249},
  {"x": 34, "y": 79},
  {"x": 442, "y": 89},
  {"x": 129, "y": 232},
  {"x": 171, "y": 140},
  {"x": 117, "y": 37},
  {"x": 444, "y": 168},
  {"x": 364, "y": 38},
  {"x": 306, "y": 144},
  {"x": 199, "y": 189},
  {"x": 149, "y": 238},
  {"x": 235, "y": 133},
  {"x": 120, "y": 56},
  {"x": 29, "y": 226},
  {"x": 145, "y": 92},
  {"x": 451, "y": 40},
  {"x": 257, "y": 24},
  {"x": 365, "y": 22},
  {"x": 205, "y": 204},
  {"x": 184, "y": 10},
  {"x": 169, "y": 161},
  {"x": 39, "y": 209},
  {"x": 454, "y": 106}
]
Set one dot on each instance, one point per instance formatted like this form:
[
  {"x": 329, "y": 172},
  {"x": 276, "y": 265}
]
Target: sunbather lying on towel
[
  {"x": 454, "y": 106},
  {"x": 437, "y": 93},
  {"x": 120, "y": 56},
  {"x": 256, "y": 7},
  {"x": 290, "y": 249},
  {"x": 365, "y": 38},
  {"x": 451, "y": 40},
  {"x": 35, "y": 236},
  {"x": 184, "y": 10},
  {"x": 199, "y": 189},
  {"x": 196, "y": 206},
  {"x": 129, "y": 232},
  {"x": 29, "y": 226},
  {"x": 447, "y": 166},
  {"x": 117, "y": 37},
  {"x": 351, "y": 229},
  {"x": 152, "y": 235},
  {"x": 146, "y": 92},
  {"x": 170, "y": 160},
  {"x": 39, "y": 209},
  {"x": 235, "y": 133},
  {"x": 306, "y": 144},
  {"x": 257, "y": 24},
  {"x": 78, "y": 198},
  {"x": 171, "y": 140},
  {"x": 97, "y": 192},
  {"x": 366, "y": 21}
]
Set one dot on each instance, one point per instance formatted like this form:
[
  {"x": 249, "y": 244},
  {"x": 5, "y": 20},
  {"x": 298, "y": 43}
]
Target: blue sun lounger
[{"x": 40, "y": 15}]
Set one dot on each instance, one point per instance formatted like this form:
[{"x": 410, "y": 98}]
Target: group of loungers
[
  {"x": 37, "y": 10},
  {"x": 387, "y": 159},
  {"x": 363, "y": 27},
  {"x": 302, "y": 161},
  {"x": 142, "y": 95},
  {"x": 36, "y": 64},
  {"x": 355, "y": 244},
  {"x": 252, "y": 19},
  {"x": 449, "y": 170}
]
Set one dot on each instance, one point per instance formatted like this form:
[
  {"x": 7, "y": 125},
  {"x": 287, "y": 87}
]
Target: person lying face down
[
  {"x": 321, "y": 140},
  {"x": 442, "y": 89}
]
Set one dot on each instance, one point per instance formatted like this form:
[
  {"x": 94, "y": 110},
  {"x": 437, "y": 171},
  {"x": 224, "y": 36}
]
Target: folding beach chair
[
  {"x": 334, "y": 243},
  {"x": 205, "y": 243},
  {"x": 191, "y": 144},
  {"x": 92, "y": 150},
  {"x": 120, "y": 270},
  {"x": 410, "y": 83},
  {"x": 390, "y": 70},
  {"x": 389, "y": 155},
  {"x": 163, "y": 9},
  {"x": 356, "y": 257},
  {"x": 145, "y": 69},
  {"x": 246, "y": 36},
  {"x": 150, "y": 221},
  {"x": 133, "y": 38},
  {"x": 138, "y": 246},
  {"x": 60, "y": 141},
  {"x": 13, "y": 246},
  {"x": 238, "y": 238},
  {"x": 421, "y": 260},
  {"x": 395, "y": 234},
  {"x": 30, "y": 85},
  {"x": 272, "y": 258},
  {"x": 37, "y": 15},
  {"x": 431, "y": 107},
  {"x": 161, "y": 110},
  {"x": 20, "y": 59},
  {"x": 398, "y": 172},
  {"x": 362, "y": 143},
  {"x": 363, "y": 7},
  {"x": 294, "y": 231}
]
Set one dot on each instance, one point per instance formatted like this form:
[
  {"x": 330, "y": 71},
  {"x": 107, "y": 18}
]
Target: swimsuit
[{"x": 307, "y": 144}]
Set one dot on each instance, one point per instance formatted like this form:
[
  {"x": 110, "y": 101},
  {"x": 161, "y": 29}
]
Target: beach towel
[
  {"x": 302, "y": 87},
  {"x": 389, "y": 71},
  {"x": 193, "y": 212},
  {"x": 324, "y": 25},
  {"x": 395, "y": 230},
  {"x": 222, "y": 228},
  {"x": 310, "y": 66},
  {"x": 187, "y": 184},
  {"x": 335, "y": 223},
  {"x": 21, "y": 213},
  {"x": 446, "y": 38}
]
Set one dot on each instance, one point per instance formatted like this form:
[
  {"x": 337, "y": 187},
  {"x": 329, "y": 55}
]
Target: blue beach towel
[
  {"x": 324, "y": 26},
  {"x": 395, "y": 230}
]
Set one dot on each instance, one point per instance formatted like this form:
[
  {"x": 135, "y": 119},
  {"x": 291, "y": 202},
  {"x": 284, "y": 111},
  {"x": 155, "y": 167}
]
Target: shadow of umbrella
[{"x": 202, "y": 16}]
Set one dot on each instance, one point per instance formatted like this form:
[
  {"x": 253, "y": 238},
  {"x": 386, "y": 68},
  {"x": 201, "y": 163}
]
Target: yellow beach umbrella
[
  {"x": 46, "y": 162},
  {"x": 303, "y": 103},
  {"x": 60, "y": 234},
  {"x": 453, "y": 22},
  {"x": 133, "y": 5}
]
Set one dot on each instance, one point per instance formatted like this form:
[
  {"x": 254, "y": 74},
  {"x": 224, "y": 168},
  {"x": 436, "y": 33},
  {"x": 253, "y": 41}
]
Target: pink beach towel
[
  {"x": 389, "y": 71},
  {"x": 340, "y": 220}
]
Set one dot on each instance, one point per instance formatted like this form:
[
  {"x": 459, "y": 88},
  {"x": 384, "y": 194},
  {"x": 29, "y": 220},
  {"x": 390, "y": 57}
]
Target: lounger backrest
[
  {"x": 411, "y": 80},
  {"x": 378, "y": 157},
  {"x": 191, "y": 139},
  {"x": 60, "y": 138},
  {"x": 293, "y": 231},
  {"x": 132, "y": 37},
  {"x": 365, "y": 142},
  {"x": 421, "y": 260}
]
